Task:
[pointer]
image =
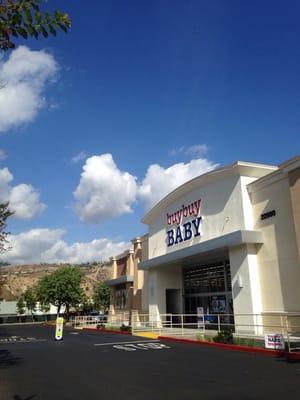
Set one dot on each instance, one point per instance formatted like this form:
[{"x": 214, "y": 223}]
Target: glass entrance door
[{"x": 209, "y": 287}]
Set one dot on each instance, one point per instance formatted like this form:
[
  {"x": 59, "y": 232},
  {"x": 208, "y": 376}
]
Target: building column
[
  {"x": 114, "y": 267},
  {"x": 246, "y": 291}
]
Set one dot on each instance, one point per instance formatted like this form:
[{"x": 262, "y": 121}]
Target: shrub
[
  {"x": 204, "y": 338},
  {"x": 251, "y": 342},
  {"x": 125, "y": 328},
  {"x": 224, "y": 336}
]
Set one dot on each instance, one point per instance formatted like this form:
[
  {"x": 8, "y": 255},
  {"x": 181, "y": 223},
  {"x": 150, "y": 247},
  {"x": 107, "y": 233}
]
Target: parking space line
[
  {"x": 135, "y": 341},
  {"x": 22, "y": 341}
]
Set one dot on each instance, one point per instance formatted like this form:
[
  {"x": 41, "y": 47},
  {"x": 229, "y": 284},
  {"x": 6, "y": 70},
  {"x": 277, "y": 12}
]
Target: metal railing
[
  {"x": 243, "y": 326},
  {"x": 251, "y": 326},
  {"x": 95, "y": 321}
]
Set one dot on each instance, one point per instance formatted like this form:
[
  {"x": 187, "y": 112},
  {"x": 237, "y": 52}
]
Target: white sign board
[
  {"x": 59, "y": 328},
  {"x": 274, "y": 341},
  {"x": 200, "y": 317}
]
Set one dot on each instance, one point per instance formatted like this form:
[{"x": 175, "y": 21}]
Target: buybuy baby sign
[{"x": 184, "y": 228}]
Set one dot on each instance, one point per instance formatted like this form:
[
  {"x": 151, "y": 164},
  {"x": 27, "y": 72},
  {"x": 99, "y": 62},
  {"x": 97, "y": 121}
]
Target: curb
[
  {"x": 107, "y": 331},
  {"x": 247, "y": 349}
]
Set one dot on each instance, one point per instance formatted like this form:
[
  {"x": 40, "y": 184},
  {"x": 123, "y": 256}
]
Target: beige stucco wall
[
  {"x": 294, "y": 181},
  {"x": 140, "y": 291},
  {"x": 159, "y": 280},
  {"x": 223, "y": 210},
  {"x": 278, "y": 261}
]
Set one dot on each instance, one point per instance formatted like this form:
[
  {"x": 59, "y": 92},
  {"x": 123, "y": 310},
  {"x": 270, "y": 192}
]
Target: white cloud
[
  {"x": 24, "y": 199},
  {"x": 79, "y": 157},
  {"x": 46, "y": 245},
  {"x": 196, "y": 150},
  {"x": 160, "y": 181},
  {"x": 104, "y": 190},
  {"x": 24, "y": 76},
  {"x": 3, "y": 155}
]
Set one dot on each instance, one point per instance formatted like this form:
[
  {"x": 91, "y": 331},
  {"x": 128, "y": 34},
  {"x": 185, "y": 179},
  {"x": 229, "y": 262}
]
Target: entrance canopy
[{"x": 232, "y": 239}]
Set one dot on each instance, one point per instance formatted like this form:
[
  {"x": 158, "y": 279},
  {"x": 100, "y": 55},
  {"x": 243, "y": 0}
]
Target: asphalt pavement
[{"x": 91, "y": 365}]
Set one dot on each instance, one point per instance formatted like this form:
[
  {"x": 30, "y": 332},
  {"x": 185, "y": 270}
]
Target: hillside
[{"x": 19, "y": 278}]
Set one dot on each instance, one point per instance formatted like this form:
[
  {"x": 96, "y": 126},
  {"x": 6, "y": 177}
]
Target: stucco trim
[{"x": 229, "y": 240}]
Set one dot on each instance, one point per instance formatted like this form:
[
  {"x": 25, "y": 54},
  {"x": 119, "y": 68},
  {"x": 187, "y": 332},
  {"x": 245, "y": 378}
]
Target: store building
[
  {"x": 227, "y": 242},
  {"x": 127, "y": 281}
]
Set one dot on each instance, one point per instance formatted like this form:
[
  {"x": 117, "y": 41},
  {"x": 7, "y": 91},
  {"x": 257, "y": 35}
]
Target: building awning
[
  {"x": 232, "y": 239},
  {"x": 120, "y": 280}
]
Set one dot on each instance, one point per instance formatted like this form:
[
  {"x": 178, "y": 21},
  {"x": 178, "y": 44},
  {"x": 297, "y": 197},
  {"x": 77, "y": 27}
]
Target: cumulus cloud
[
  {"x": 196, "y": 150},
  {"x": 104, "y": 190},
  {"x": 79, "y": 157},
  {"x": 47, "y": 246},
  {"x": 3, "y": 155},
  {"x": 23, "y": 199},
  {"x": 24, "y": 76},
  {"x": 160, "y": 181}
]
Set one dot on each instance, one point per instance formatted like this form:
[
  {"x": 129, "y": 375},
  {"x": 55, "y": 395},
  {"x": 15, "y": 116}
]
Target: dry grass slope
[{"x": 19, "y": 278}]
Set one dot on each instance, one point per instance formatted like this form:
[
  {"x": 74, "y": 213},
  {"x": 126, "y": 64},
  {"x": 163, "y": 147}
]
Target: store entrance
[
  {"x": 173, "y": 304},
  {"x": 208, "y": 288}
]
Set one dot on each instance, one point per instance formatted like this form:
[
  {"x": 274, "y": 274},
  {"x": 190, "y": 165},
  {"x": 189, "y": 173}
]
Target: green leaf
[
  {"x": 38, "y": 16},
  {"x": 47, "y": 18},
  {"x": 22, "y": 32},
  {"x": 58, "y": 15},
  {"x": 28, "y": 16},
  {"x": 35, "y": 6},
  {"x": 52, "y": 30},
  {"x": 30, "y": 30},
  {"x": 14, "y": 32},
  {"x": 44, "y": 32},
  {"x": 17, "y": 18},
  {"x": 62, "y": 27}
]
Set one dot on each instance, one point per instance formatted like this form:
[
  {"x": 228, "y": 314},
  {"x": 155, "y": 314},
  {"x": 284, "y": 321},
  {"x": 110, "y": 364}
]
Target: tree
[
  {"x": 30, "y": 300},
  {"x": 24, "y": 18},
  {"x": 86, "y": 305},
  {"x": 20, "y": 306},
  {"x": 5, "y": 213},
  {"x": 61, "y": 288},
  {"x": 101, "y": 296}
]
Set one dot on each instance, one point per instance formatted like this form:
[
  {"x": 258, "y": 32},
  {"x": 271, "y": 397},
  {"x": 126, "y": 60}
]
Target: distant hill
[{"x": 21, "y": 277}]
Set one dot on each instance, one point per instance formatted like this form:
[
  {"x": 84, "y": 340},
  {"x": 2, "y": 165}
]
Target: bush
[
  {"x": 125, "y": 328},
  {"x": 204, "y": 338},
  {"x": 224, "y": 336},
  {"x": 249, "y": 342}
]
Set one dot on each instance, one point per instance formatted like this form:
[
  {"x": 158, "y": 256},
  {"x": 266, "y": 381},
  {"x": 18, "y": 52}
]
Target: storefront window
[
  {"x": 121, "y": 297},
  {"x": 208, "y": 286}
]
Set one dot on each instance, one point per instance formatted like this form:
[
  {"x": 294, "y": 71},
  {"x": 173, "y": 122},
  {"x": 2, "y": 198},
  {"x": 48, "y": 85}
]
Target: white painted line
[
  {"x": 136, "y": 341},
  {"x": 73, "y": 333},
  {"x": 23, "y": 341}
]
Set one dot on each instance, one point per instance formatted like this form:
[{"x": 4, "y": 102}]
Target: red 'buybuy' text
[{"x": 190, "y": 210}]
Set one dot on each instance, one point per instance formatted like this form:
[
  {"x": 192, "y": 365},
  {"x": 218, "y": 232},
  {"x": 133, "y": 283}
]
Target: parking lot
[{"x": 92, "y": 365}]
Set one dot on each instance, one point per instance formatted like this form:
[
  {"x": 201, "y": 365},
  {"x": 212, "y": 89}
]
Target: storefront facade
[
  {"x": 210, "y": 244},
  {"x": 127, "y": 281}
]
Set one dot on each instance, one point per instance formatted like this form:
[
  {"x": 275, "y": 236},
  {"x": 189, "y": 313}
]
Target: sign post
[
  {"x": 200, "y": 318},
  {"x": 59, "y": 328}
]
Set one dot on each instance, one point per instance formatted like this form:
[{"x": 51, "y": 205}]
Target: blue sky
[{"x": 148, "y": 83}]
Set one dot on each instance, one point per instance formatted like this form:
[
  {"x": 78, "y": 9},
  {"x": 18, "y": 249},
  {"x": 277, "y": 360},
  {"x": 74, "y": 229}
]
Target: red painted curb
[
  {"x": 107, "y": 331},
  {"x": 272, "y": 353}
]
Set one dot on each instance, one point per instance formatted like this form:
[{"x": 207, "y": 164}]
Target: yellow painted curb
[{"x": 149, "y": 335}]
